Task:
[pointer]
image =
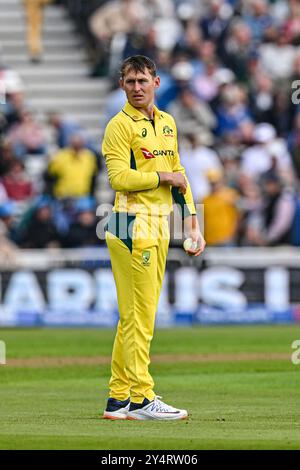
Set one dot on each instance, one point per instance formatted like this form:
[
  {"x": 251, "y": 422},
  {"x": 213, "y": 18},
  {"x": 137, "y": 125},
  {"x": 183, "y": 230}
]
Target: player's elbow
[
  {"x": 118, "y": 183},
  {"x": 114, "y": 183}
]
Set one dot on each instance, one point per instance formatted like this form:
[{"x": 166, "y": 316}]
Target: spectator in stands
[
  {"x": 249, "y": 203},
  {"x": 28, "y": 136},
  {"x": 222, "y": 61},
  {"x": 2, "y": 123},
  {"x": 292, "y": 24},
  {"x": 239, "y": 50},
  {"x": 41, "y": 231},
  {"x": 141, "y": 43},
  {"x": 233, "y": 110},
  {"x": 167, "y": 29},
  {"x": 206, "y": 84},
  {"x": 259, "y": 19},
  {"x": 82, "y": 232},
  {"x": 65, "y": 128},
  {"x": 204, "y": 61},
  {"x": 220, "y": 77},
  {"x": 34, "y": 18},
  {"x": 16, "y": 182},
  {"x": 191, "y": 113},
  {"x": 231, "y": 145},
  {"x": 3, "y": 194},
  {"x": 190, "y": 35},
  {"x": 158, "y": 9},
  {"x": 268, "y": 149},
  {"x": 72, "y": 170},
  {"x": 9, "y": 116},
  {"x": 189, "y": 42},
  {"x": 284, "y": 112},
  {"x": 6, "y": 157},
  {"x": 270, "y": 103},
  {"x": 71, "y": 174},
  {"x": 116, "y": 99},
  {"x": 181, "y": 75},
  {"x": 164, "y": 63},
  {"x": 280, "y": 70},
  {"x": 272, "y": 224},
  {"x": 11, "y": 97},
  {"x": 215, "y": 22},
  {"x": 198, "y": 159},
  {"x": 221, "y": 215},
  {"x": 115, "y": 17},
  {"x": 10, "y": 80},
  {"x": 262, "y": 99}
]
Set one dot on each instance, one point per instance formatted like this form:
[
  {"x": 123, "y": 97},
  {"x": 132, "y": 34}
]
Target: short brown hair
[{"x": 138, "y": 63}]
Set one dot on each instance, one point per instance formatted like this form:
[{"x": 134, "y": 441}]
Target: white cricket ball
[{"x": 189, "y": 244}]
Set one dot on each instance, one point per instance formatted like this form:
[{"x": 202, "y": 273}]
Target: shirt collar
[{"x": 137, "y": 115}]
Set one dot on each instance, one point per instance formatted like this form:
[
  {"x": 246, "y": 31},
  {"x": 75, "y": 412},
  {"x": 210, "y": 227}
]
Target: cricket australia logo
[
  {"x": 146, "y": 258},
  {"x": 168, "y": 132}
]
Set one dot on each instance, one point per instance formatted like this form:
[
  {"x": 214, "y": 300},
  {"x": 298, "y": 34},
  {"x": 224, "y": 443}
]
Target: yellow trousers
[
  {"x": 138, "y": 263},
  {"x": 34, "y": 18}
]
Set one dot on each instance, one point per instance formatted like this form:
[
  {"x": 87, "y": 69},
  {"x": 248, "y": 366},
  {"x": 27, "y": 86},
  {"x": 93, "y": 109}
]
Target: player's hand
[
  {"x": 176, "y": 179},
  {"x": 179, "y": 181},
  {"x": 199, "y": 243},
  {"x": 192, "y": 231}
]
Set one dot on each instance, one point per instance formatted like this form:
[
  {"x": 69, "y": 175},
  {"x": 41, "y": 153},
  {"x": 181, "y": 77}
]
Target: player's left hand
[
  {"x": 193, "y": 231},
  {"x": 200, "y": 243}
]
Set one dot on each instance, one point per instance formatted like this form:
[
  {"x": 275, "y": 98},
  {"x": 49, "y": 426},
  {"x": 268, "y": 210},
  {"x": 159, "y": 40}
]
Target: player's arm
[
  {"x": 183, "y": 198},
  {"x": 119, "y": 160},
  {"x": 186, "y": 202}
]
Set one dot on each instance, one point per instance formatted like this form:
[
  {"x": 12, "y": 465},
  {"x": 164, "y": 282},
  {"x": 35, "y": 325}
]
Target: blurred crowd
[
  {"x": 48, "y": 176},
  {"x": 230, "y": 76}
]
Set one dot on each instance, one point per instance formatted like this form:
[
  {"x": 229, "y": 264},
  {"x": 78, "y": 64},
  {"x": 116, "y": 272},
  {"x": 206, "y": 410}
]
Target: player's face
[{"x": 139, "y": 87}]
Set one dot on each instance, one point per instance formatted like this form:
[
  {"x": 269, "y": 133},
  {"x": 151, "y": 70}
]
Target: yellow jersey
[
  {"x": 135, "y": 149},
  {"x": 73, "y": 173},
  {"x": 220, "y": 216}
]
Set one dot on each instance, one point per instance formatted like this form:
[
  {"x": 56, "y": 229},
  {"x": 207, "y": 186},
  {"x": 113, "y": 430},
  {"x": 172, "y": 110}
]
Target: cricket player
[{"x": 141, "y": 154}]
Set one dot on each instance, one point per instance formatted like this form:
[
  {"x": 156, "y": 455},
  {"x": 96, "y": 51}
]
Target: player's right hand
[
  {"x": 179, "y": 181},
  {"x": 176, "y": 179}
]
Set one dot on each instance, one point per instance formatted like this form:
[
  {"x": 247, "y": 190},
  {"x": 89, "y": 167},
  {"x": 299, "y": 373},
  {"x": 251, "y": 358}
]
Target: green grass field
[{"x": 238, "y": 383}]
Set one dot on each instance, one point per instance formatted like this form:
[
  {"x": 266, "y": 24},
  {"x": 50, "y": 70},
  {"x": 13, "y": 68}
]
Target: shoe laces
[{"x": 161, "y": 407}]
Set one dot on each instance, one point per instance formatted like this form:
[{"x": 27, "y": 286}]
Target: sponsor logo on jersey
[
  {"x": 163, "y": 153},
  {"x": 157, "y": 153},
  {"x": 144, "y": 132},
  {"x": 147, "y": 154}
]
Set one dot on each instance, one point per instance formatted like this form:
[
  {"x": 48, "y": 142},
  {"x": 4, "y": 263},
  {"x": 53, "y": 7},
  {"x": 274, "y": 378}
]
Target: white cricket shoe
[{"x": 155, "y": 409}]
